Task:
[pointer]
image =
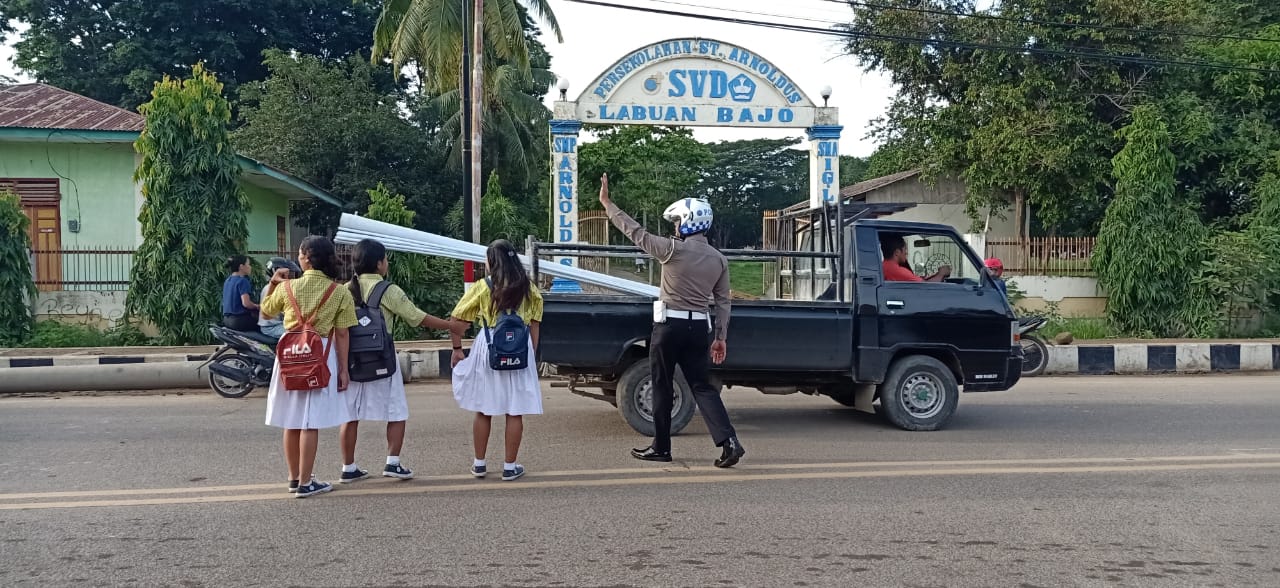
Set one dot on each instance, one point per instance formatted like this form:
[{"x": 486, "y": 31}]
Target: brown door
[
  {"x": 282, "y": 235},
  {"x": 46, "y": 241}
]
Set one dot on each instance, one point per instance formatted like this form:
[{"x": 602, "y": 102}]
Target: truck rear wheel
[
  {"x": 919, "y": 394},
  {"x": 635, "y": 399}
]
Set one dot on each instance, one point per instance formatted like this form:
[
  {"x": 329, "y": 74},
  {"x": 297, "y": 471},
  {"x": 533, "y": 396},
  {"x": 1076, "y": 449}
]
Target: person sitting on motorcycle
[
  {"x": 287, "y": 270},
  {"x": 239, "y": 311},
  {"x": 997, "y": 270}
]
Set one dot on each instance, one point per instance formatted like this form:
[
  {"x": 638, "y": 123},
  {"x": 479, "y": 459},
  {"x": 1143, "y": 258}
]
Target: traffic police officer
[{"x": 693, "y": 275}]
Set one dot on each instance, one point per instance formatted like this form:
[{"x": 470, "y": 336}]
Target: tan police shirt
[{"x": 694, "y": 274}]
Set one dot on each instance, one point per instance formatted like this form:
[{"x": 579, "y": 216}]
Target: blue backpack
[{"x": 508, "y": 340}]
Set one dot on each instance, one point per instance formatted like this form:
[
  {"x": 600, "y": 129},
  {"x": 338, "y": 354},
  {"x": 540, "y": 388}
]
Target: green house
[{"x": 71, "y": 161}]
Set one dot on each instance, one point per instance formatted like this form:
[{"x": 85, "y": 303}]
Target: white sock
[
  {"x": 479, "y": 463},
  {"x": 508, "y": 466},
  {"x": 393, "y": 460},
  {"x": 349, "y": 468}
]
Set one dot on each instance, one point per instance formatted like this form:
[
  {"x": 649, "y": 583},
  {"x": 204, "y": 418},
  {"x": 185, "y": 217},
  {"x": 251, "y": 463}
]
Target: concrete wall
[
  {"x": 96, "y": 309},
  {"x": 1076, "y": 297},
  {"x": 265, "y": 206},
  {"x": 96, "y": 181}
]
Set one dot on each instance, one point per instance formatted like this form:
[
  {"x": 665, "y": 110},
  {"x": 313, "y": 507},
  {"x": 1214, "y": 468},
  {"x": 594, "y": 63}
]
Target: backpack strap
[
  {"x": 293, "y": 300},
  {"x": 375, "y": 295},
  {"x": 323, "y": 299}
]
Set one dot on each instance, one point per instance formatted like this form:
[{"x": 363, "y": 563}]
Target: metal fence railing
[
  {"x": 109, "y": 268},
  {"x": 1052, "y": 256}
]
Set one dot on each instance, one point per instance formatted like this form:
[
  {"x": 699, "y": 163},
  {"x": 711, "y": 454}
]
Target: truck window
[{"x": 925, "y": 254}]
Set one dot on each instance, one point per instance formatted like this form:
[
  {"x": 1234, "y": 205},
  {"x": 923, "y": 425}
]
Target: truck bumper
[{"x": 1013, "y": 373}]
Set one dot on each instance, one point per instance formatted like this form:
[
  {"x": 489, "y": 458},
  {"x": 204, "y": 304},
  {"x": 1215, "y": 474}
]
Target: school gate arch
[{"x": 691, "y": 82}]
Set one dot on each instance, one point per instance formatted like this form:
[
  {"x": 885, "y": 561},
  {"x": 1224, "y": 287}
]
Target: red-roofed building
[{"x": 71, "y": 161}]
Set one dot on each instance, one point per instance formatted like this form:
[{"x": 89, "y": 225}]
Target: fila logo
[
  {"x": 297, "y": 349},
  {"x": 511, "y": 336},
  {"x": 510, "y": 361}
]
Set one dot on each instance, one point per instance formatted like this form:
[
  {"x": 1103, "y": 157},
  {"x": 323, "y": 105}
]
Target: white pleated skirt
[
  {"x": 322, "y": 408},
  {"x": 479, "y": 388},
  {"x": 379, "y": 400}
]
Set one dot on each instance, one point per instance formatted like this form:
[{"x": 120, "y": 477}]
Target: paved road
[{"x": 1065, "y": 482}]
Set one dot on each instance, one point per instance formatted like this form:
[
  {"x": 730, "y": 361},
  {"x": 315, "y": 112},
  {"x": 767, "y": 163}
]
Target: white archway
[{"x": 691, "y": 82}]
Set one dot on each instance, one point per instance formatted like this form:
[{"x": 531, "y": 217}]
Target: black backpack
[
  {"x": 372, "y": 354},
  {"x": 508, "y": 340}
]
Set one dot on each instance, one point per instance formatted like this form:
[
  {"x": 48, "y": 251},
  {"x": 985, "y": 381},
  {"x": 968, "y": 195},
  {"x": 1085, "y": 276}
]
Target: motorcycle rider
[
  {"x": 996, "y": 267},
  {"x": 287, "y": 270}
]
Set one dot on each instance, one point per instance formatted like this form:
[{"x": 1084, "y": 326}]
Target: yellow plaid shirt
[
  {"x": 395, "y": 303},
  {"x": 339, "y": 311},
  {"x": 477, "y": 304}
]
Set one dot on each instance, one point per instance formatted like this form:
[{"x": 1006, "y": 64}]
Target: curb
[
  {"x": 159, "y": 372},
  {"x": 1143, "y": 358}
]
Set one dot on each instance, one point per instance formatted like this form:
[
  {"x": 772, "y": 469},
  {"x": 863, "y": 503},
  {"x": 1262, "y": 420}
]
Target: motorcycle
[
  {"x": 1035, "y": 354},
  {"x": 241, "y": 364}
]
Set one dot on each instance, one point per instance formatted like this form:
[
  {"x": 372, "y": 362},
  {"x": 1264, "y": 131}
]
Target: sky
[{"x": 595, "y": 37}]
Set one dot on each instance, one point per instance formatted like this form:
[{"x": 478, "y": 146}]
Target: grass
[
  {"x": 747, "y": 277},
  {"x": 1080, "y": 328}
]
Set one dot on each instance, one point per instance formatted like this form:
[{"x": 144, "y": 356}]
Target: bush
[
  {"x": 17, "y": 288},
  {"x": 54, "y": 334}
]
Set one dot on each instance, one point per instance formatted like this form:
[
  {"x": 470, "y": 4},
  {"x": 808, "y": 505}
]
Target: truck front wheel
[
  {"x": 635, "y": 399},
  {"x": 919, "y": 394}
]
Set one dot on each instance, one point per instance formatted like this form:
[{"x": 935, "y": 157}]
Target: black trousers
[
  {"x": 240, "y": 322},
  {"x": 687, "y": 344}
]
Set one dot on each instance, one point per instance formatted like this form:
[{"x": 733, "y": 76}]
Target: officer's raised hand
[{"x": 604, "y": 190}]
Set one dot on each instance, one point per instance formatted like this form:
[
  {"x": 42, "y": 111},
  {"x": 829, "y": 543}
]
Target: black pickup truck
[{"x": 910, "y": 345}]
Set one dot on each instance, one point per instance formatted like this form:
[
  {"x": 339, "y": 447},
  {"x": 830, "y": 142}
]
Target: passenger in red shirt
[{"x": 895, "y": 264}]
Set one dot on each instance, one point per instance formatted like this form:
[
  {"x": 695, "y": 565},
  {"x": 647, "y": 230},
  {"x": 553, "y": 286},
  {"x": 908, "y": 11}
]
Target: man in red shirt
[{"x": 895, "y": 264}]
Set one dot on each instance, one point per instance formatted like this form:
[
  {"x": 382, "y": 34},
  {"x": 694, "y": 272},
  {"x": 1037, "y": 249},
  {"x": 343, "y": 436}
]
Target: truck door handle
[{"x": 894, "y": 303}]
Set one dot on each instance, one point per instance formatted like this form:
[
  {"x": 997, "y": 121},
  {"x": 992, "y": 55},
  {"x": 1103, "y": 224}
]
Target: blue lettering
[
  {"x": 724, "y": 115},
  {"x": 687, "y": 46},
  {"x": 566, "y": 236},
  {"x": 676, "y": 77},
  {"x": 566, "y": 261},
  {"x": 767, "y": 116},
  {"x": 688, "y": 113},
  {"x": 828, "y": 161},
  {"x": 699, "y": 80},
  {"x": 600, "y": 92},
  {"x": 566, "y": 178},
  {"x": 604, "y": 112},
  {"x": 704, "y": 47},
  {"x": 566, "y": 145},
  {"x": 565, "y": 163},
  {"x": 786, "y": 115},
  {"x": 828, "y": 178},
  {"x": 740, "y": 56},
  {"x": 670, "y": 114},
  {"x": 637, "y": 113},
  {"x": 827, "y": 149},
  {"x": 719, "y": 84},
  {"x": 566, "y": 206},
  {"x": 565, "y": 224},
  {"x": 623, "y": 114},
  {"x": 826, "y": 195},
  {"x": 745, "y": 115}
]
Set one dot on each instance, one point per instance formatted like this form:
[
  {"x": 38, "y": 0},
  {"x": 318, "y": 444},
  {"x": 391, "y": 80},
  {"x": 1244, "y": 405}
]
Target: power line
[
  {"x": 1096, "y": 27},
  {"x": 850, "y": 33}
]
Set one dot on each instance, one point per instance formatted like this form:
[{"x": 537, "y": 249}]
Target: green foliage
[
  {"x": 54, "y": 334},
  {"x": 116, "y": 51},
  {"x": 1150, "y": 241},
  {"x": 649, "y": 167},
  {"x": 337, "y": 124},
  {"x": 17, "y": 285},
  {"x": 194, "y": 213},
  {"x": 434, "y": 284},
  {"x": 500, "y": 218},
  {"x": 746, "y": 178}
]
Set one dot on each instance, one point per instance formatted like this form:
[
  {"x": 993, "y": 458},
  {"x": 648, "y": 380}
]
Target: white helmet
[{"x": 692, "y": 215}]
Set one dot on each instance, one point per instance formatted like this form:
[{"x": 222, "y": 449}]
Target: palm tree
[{"x": 429, "y": 32}]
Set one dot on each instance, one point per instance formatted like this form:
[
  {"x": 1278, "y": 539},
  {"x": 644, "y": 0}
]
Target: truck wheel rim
[
  {"x": 644, "y": 399},
  {"x": 922, "y": 396}
]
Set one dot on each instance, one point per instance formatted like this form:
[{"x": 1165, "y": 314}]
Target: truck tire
[
  {"x": 635, "y": 400},
  {"x": 919, "y": 394}
]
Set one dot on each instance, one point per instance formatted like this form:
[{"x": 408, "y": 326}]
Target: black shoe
[
  {"x": 651, "y": 454},
  {"x": 349, "y": 477},
  {"x": 733, "y": 451}
]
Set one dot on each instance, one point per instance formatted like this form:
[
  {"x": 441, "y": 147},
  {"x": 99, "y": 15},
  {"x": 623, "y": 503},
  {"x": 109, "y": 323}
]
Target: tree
[
  {"x": 115, "y": 51},
  {"x": 746, "y": 178},
  {"x": 193, "y": 214},
  {"x": 649, "y": 167},
  {"x": 429, "y": 34},
  {"x": 434, "y": 284},
  {"x": 1142, "y": 267},
  {"x": 853, "y": 170},
  {"x": 338, "y": 125},
  {"x": 500, "y": 217},
  {"x": 17, "y": 284}
]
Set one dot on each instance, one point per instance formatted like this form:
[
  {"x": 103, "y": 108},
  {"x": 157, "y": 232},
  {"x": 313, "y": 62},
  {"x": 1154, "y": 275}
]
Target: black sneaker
[
  {"x": 349, "y": 477},
  {"x": 479, "y": 471},
  {"x": 313, "y": 488},
  {"x": 513, "y": 473},
  {"x": 397, "y": 471},
  {"x": 293, "y": 486}
]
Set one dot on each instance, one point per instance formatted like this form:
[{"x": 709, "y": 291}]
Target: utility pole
[
  {"x": 477, "y": 101},
  {"x": 468, "y": 230}
]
